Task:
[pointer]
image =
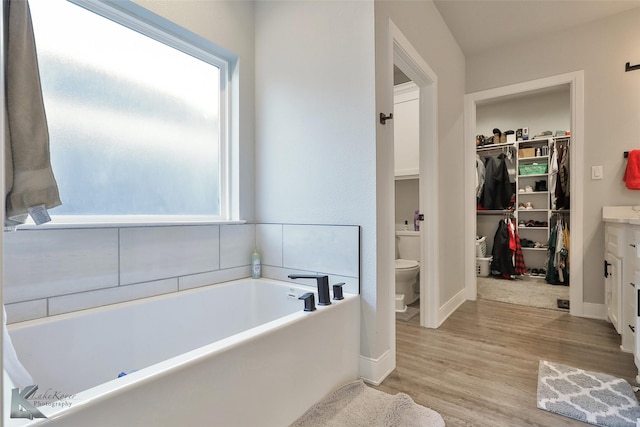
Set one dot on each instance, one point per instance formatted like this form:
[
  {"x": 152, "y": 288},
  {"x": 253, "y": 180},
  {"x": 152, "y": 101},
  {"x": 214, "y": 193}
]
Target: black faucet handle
[
  {"x": 309, "y": 276},
  {"x": 337, "y": 291},
  {"x": 322, "y": 281},
  {"x": 309, "y": 301}
]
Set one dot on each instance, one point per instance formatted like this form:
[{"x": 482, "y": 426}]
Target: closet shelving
[
  {"x": 533, "y": 198},
  {"x": 533, "y": 210}
]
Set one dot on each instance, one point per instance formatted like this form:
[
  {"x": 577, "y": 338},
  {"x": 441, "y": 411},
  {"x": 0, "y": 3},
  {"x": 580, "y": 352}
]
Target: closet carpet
[{"x": 530, "y": 292}]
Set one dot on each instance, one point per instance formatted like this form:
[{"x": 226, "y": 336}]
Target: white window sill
[{"x": 72, "y": 222}]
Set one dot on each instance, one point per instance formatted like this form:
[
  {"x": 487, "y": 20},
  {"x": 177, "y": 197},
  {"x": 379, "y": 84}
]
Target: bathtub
[{"x": 241, "y": 353}]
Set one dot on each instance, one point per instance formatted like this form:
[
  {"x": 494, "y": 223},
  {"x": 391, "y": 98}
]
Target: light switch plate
[{"x": 596, "y": 172}]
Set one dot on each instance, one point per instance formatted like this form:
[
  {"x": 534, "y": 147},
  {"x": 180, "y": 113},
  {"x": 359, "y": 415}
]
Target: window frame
[{"x": 143, "y": 21}]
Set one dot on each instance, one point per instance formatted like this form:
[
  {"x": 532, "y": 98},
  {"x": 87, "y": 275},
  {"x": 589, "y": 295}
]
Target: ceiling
[{"x": 481, "y": 25}]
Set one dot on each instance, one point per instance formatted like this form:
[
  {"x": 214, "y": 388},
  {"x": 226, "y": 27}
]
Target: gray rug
[
  {"x": 357, "y": 405},
  {"x": 590, "y": 397},
  {"x": 407, "y": 315}
]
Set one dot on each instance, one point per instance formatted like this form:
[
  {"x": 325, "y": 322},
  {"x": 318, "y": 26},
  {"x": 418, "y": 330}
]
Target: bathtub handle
[
  {"x": 337, "y": 291},
  {"x": 323, "y": 286},
  {"x": 309, "y": 301}
]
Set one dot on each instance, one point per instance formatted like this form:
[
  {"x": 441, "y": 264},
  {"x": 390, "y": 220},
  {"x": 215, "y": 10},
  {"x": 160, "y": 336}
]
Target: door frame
[
  {"x": 575, "y": 80},
  {"x": 407, "y": 58}
]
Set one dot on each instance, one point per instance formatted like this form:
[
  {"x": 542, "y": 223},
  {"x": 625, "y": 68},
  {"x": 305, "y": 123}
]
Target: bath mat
[
  {"x": 407, "y": 315},
  {"x": 590, "y": 397},
  {"x": 357, "y": 405}
]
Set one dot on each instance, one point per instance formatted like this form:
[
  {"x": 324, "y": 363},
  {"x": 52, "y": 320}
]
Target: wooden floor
[{"x": 480, "y": 368}]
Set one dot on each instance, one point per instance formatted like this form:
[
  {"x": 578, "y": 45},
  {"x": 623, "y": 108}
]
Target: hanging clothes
[
  {"x": 508, "y": 258},
  {"x": 497, "y": 186},
  {"x": 480, "y": 172},
  {"x": 562, "y": 187},
  {"x": 519, "y": 266},
  {"x": 558, "y": 255},
  {"x": 553, "y": 175},
  {"x": 502, "y": 262},
  {"x": 564, "y": 174}
]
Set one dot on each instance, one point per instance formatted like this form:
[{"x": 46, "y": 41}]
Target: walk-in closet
[{"x": 523, "y": 216}]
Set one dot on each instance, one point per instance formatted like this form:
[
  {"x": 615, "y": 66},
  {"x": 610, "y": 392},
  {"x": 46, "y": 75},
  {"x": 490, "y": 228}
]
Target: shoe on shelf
[
  {"x": 528, "y": 189},
  {"x": 541, "y": 185},
  {"x": 521, "y": 190},
  {"x": 528, "y": 206}
]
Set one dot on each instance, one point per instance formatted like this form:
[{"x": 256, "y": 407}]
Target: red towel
[{"x": 632, "y": 173}]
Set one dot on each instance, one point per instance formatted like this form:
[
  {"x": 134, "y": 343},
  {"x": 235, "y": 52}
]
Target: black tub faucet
[
  {"x": 309, "y": 301},
  {"x": 323, "y": 286}
]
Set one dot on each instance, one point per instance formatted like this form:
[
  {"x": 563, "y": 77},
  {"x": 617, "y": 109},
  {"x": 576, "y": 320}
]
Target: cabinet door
[
  {"x": 406, "y": 134},
  {"x": 613, "y": 289}
]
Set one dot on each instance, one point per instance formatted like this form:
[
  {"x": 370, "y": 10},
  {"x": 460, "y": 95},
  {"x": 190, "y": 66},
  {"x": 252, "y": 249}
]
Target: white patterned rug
[
  {"x": 594, "y": 398},
  {"x": 358, "y": 405}
]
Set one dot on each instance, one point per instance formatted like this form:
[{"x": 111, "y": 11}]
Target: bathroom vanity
[{"x": 622, "y": 274}]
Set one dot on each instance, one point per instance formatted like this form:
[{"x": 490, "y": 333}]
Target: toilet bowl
[
  {"x": 406, "y": 279},
  {"x": 407, "y": 268}
]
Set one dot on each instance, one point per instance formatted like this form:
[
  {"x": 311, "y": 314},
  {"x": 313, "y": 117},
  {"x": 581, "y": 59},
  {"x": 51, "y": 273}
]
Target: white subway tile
[
  {"x": 322, "y": 248},
  {"x": 151, "y": 253},
  {"x": 28, "y": 310},
  {"x": 91, "y": 299},
  {"x": 269, "y": 240},
  {"x": 42, "y": 263},
  {"x": 236, "y": 244},
  {"x": 212, "y": 277}
]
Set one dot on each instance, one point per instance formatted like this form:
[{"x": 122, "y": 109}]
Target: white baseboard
[
  {"x": 450, "y": 306},
  {"x": 374, "y": 371},
  {"x": 594, "y": 311}
]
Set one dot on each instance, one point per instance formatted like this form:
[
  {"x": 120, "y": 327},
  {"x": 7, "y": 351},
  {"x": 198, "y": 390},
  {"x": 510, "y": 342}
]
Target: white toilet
[{"x": 407, "y": 268}]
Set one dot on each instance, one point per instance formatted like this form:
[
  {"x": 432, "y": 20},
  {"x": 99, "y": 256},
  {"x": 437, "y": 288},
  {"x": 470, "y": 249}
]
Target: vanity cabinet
[
  {"x": 613, "y": 272},
  {"x": 622, "y": 275}
]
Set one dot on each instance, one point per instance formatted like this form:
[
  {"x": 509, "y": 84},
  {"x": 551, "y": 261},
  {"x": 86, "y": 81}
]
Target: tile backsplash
[{"x": 55, "y": 271}]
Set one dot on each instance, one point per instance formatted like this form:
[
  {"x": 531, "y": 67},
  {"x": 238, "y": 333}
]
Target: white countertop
[{"x": 621, "y": 214}]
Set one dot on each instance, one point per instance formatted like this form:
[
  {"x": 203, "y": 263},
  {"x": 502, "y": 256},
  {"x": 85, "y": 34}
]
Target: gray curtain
[{"x": 29, "y": 180}]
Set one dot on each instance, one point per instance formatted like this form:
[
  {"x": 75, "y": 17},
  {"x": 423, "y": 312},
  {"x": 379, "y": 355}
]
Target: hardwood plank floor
[{"x": 480, "y": 368}]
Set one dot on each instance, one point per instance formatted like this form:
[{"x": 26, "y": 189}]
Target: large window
[{"x": 137, "y": 125}]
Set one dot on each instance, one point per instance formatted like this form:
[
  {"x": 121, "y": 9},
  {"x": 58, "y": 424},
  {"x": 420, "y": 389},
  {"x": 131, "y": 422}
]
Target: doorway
[
  {"x": 406, "y": 147},
  {"x": 537, "y": 206},
  {"x": 407, "y": 59},
  {"x": 576, "y": 95}
]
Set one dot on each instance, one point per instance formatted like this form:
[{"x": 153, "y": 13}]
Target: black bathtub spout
[
  {"x": 309, "y": 301},
  {"x": 323, "y": 286}
]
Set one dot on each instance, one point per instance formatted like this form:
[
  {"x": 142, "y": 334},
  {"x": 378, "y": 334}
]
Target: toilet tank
[{"x": 408, "y": 245}]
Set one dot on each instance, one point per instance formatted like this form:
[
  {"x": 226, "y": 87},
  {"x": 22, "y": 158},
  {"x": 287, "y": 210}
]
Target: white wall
[
  {"x": 315, "y": 128},
  {"x": 612, "y": 111},
  {"x": 545, "y": 111},
  {"x": 407, "y": 199},
  {"x": 423, "y": 26}
]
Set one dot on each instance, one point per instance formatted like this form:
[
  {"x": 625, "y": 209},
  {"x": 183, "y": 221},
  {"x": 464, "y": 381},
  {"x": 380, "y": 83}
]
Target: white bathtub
[{"x": 241, "y": 353}]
